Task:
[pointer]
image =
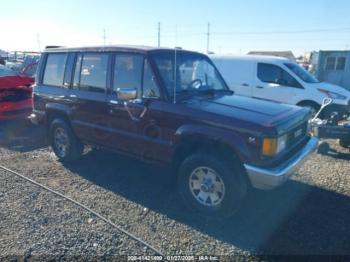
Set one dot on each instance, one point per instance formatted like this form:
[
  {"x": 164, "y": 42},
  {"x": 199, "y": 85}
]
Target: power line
[{"x": 285, "y": 32}]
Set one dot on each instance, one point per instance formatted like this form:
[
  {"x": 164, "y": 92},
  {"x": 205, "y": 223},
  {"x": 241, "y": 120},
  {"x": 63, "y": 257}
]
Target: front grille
[
  {"x": 14, "y": 95},
  {"x": 297, "y": 134}
]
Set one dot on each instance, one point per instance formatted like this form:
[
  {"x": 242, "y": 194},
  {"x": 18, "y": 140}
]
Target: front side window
[
  {"x": 269, "y": 73},
  {"x": 54, "y": 69},
  {"x": 193, "y": 72},
  {"x": 302, "y": 73},
  {"x": 93, "y": 72},
  {"x": 128, "y": 72}
]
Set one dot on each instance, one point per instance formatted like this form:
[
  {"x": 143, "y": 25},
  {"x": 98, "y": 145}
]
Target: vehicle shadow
[
  {"x": 21, "y": 136},
  {"x": 295, "y": 219},
  {"x": 334, "y": 153}
]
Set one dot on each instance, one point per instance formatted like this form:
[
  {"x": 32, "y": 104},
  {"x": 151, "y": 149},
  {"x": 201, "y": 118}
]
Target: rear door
[
  {"x": 88, "y": 97},
  {"x": 276, "y": 84}
]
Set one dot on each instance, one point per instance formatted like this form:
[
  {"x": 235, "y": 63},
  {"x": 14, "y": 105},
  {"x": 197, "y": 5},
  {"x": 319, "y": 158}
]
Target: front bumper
[{"x": 269, "y": 178}]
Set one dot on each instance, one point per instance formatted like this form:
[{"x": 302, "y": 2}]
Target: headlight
[
  {"x": 273, "y": 146},
  {"x": 332, "y": 94}
]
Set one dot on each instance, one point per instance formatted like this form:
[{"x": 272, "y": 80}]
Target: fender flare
[{"x": 230, "y": 139}]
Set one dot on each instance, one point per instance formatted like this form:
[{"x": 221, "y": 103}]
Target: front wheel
[
  {"x": 64, "y": 143},
  {"x": 213, "y": 187},
  {"x": 344, "y": 143}
]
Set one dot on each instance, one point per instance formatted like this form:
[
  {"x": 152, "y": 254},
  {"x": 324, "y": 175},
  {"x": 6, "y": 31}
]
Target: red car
[{"x": 15, "y": 94}]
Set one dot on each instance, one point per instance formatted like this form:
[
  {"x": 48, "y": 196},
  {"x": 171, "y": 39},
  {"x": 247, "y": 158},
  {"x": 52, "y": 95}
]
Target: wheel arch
[
  {"x": 308, "y": 102},
  {"x": 194, "y": 139}
]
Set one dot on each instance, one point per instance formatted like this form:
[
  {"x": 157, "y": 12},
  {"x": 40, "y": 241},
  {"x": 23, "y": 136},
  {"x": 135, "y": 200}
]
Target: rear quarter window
[{"x": 54, "y": 69}]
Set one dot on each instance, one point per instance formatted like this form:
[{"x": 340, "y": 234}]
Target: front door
[
  {"x": 275, "y": 84},
  {"x": 138, "y": 124}
]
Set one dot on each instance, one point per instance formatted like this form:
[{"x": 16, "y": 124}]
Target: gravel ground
[{"x": 309, "y": 215}]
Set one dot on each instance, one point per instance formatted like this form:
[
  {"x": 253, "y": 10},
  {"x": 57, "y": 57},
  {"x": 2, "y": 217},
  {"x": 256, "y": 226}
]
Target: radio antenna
[{"x": 175, "y": 65}]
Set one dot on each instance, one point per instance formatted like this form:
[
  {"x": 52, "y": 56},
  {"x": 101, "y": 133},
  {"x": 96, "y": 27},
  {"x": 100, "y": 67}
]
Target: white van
[{"x": 279, "y": 79}]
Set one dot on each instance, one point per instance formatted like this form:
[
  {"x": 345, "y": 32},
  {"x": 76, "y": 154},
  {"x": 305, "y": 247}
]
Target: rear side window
[
  {"x": 54, "y": 69},
  {"x": 91, "y": 72}
]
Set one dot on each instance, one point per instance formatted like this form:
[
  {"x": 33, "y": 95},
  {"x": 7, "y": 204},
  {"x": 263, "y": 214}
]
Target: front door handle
[
  {"x": 259, "y": 87},
  {"x": 114, "y": 102},
  {"x": 73, "y": 96}
]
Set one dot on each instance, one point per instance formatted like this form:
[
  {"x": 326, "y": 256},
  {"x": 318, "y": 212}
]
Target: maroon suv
[{"x": 170, "y": 107}]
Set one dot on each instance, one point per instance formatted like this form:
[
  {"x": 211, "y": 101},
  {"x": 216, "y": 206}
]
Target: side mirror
[{"x": 127, "y": 94}]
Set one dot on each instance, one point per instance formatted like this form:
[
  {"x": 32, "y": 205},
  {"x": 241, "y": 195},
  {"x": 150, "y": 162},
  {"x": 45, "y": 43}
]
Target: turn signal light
[{"x": 269, "y": 147}]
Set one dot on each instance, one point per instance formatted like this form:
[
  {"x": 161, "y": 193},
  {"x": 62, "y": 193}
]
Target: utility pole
[
  {"x": 104, "y": 37},
  {"x": 38, "y": 41},
  {"x": 208, "y": 37},
  {"x": 158, "y": 34}
]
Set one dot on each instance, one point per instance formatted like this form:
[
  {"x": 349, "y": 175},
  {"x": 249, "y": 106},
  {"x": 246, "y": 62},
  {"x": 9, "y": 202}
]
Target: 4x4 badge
[{"x": 251, "y": 140}]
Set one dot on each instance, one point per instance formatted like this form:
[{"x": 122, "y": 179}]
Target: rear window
[{"x": 54, "y": 69}]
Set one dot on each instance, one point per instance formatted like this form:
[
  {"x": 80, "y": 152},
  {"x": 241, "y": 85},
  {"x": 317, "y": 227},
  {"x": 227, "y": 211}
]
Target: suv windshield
[
  {"x": 302, "y": 73},
  {"x": 194, "y": 73}
]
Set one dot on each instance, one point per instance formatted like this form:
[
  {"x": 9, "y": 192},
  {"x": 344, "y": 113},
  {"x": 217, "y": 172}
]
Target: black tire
[
  {"x": 344, "y": 143},
  {"x": 232, "y": 175},
  {"x": 74, "y": 148}
]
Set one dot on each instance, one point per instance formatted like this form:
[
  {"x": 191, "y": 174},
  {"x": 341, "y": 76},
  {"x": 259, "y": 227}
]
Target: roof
[
  {"x": 286, "y": 54},
  {"x": 133, "y": 48},
  {"x": 262, "y": 58}
]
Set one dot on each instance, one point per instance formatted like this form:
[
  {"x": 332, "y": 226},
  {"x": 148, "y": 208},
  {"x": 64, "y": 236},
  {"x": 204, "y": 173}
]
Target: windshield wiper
[{"x": 216, "y": 91}]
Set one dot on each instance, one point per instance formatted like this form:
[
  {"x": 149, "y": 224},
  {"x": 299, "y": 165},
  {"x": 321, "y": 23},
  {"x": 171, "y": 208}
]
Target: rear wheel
[
  {"x": 211, "y": 186},
  {"x": 64, "y": 143}
]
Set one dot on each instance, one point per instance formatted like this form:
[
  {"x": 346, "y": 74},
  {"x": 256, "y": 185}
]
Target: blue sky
[{"x": 237, "y": 26}]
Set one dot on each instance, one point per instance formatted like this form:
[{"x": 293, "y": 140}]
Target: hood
[
  {"x": 332, "y": 88},
  {"x": 251, "y": 110}
]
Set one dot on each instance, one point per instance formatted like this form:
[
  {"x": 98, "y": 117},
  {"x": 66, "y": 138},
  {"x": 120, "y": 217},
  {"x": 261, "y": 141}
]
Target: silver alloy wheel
[
  {"x": 207, "y": 186},
  {"x": 61, "y": 141}
]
